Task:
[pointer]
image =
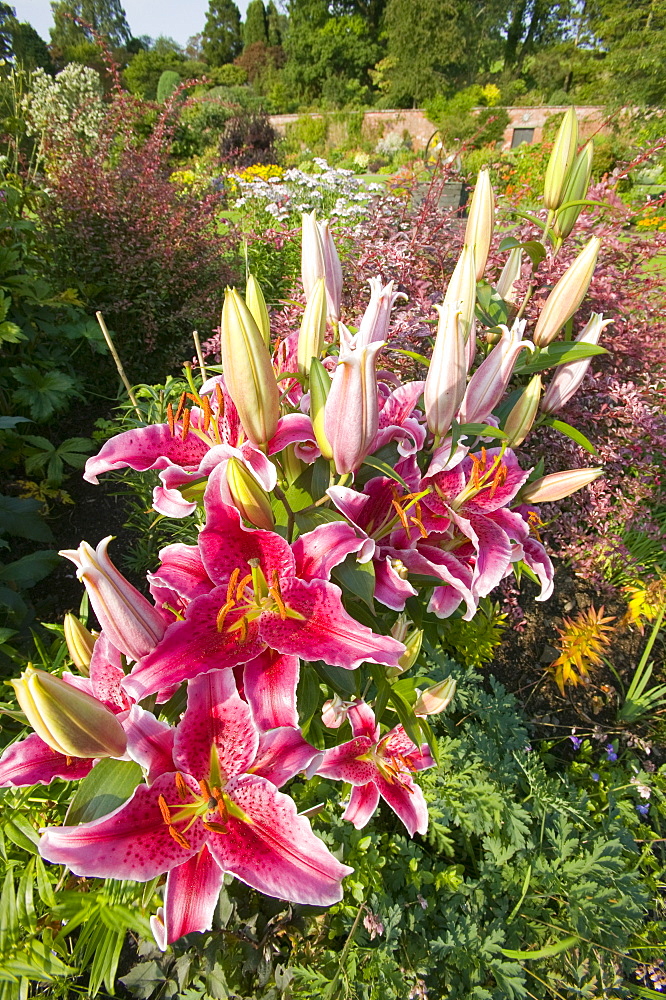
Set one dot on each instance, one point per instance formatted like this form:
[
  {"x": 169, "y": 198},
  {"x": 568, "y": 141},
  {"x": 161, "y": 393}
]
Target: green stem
[
  {"x": 291, "y": 519},
  {"x": 328, "y": 995}
]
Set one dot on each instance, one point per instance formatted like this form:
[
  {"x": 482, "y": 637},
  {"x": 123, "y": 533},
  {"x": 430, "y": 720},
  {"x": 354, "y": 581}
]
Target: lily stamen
[
  {"x": 181, "y": 406},
  {"x": 170, "y": 419},
  {"x": 186, "y": 424}
]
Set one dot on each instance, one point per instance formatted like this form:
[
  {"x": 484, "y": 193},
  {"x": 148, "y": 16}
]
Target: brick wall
[{"x": 382, "y": 123}]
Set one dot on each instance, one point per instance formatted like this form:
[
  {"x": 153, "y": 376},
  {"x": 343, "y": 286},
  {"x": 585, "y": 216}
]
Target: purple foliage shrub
[{"x": 146, "y": 253}]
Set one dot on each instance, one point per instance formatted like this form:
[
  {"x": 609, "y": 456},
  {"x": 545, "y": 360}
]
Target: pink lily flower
[
  {"x": 400, "y": 420},
  {"x": 470, "y": 502},
  {"x": 377, "y": 316},
  {"x": 194, "y": 441},
  {"x": 265, "y": 595},
  {"x": 379, "y": 767},
  {"x": 212, "y": 812}
]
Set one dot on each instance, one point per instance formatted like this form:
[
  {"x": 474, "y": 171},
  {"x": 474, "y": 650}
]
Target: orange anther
[
  {"x": 242, "y": 584},
  {"x": 214, "y": 827},
  {"x": 222, "y": 614},
  {"x": 186, "y": 423},
  {"x": 180, "y": 839},
  {"x": 401, "y": 514},
  {"x": 164, "y": 809},
  {"x": 277, "y": 597},
  {"x": 181, "y": 406},
  {"x": 233, "y": 580},
  {"x": 205, "y": 789},
  {"x": 170, "y": 419},
  {"x": 207, "y": 411},
  {"x": 181, "y": 785},
  {"x": 219, "y": 396},
  {"x": 419, "y": 524}
]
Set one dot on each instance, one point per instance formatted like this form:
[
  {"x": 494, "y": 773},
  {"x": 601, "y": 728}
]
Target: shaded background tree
[{"x": 222, "y": 40}]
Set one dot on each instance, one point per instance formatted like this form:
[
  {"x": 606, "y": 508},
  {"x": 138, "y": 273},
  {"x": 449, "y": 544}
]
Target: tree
[
  {"x": 274, "y": 22},
  {"x": 255, "y": 28},
  {"x": 429, "y": 46},
  {"x": 222, "y": 32},
  {"x": 29, "y": 49},
  {"x": 632, "y": 37},
  {"x": 105, "y": 17},
  {"x": 7, "y": 17}
]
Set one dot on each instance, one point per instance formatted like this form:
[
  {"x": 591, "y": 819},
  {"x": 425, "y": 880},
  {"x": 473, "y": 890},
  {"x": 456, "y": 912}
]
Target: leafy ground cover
[{"x": 542, "y": 869}]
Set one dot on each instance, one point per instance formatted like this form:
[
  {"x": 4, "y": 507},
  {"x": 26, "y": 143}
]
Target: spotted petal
[
  {"x": 362, "y": 804},
  {"x": 190, "y": 897},
  {"x": 270, "y": 681},
  {"x": 152, "y": 447},
  {"x": 33, "y": 762},
  {"x": 274, "y": 850}
]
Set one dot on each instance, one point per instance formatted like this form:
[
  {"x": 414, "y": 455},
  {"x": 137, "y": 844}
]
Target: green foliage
[
  {"x": 166, "y": 84},
  {"x": 221, "y": 39},
  {"x": 106, "y": 17},
  {"x": 473, "y": 643},
  {"x": 255, "y": 28},
  {"x": 458, "y": 123}
]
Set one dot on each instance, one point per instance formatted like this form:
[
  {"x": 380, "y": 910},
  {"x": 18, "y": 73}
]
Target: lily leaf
[
  {"x": 574, "y": 434},
  {"x": 109, "y": 784},
  {"x": 561, "y": 353},
  {"x": 385, "y": 469},
  {"x": 547, "y": 952}
]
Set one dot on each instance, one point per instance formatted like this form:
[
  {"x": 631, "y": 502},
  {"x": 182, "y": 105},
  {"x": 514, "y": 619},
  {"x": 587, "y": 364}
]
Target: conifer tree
[
  {"x": 255, "y": 28},
  {"x": 106, "y": 17},
  {"x": 222, "y": 40},
  {"x": 274, "y": 23}
]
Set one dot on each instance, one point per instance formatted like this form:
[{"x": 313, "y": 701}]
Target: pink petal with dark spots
[
  {"x": 215, "y": 717},
  {"x": 326, "y": 632},
  {"x": 406, "y": 800},
  {"x": 33, "y": 762},
  {"x": 269, "y": 682},
  {"x": 282, "y": 753},
  {"x": 194, "y": 646},
  {"x": 152, "y": 447},
  {"x": 182, "y": 570},
  {"x": 318, "y": 552},
  {"x": 107, "y": 675},
  {"x": 362, "y": 720},
  {"x": 342, "y": 762},
  {"x": 133, "y": 842},
  {"x": 362, "y": 804},
  {"x": 276, "y": 852},
  {"x": 149, "y": 742},
  {"x": 190, "y": 897}
]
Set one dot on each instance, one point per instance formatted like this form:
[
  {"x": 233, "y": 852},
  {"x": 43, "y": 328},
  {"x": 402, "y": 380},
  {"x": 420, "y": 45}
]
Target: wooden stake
[{"x": 119, "y": 365}]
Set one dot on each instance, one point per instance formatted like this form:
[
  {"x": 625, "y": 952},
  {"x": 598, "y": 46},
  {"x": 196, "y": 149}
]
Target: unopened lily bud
[
  {"x": 575, "y": 190},
  {"x": 412, "y": 649},
  {"x": 447, "y": 375},
  {"x": 129, "y": 621},
  {"x": 435, "y": 699},
  {"x": 376, "y": 319},
  {"x": 561, "y": 161},
  {"x": 332, "y": 271},
  {"x": 312, "y": 253},
  {"x": 320, "y": 386},
  {"x": 559, "y": 485},
  {"x": 519, "y": 422},
  {"x": 256, "y": 303},
  {"x": 461, "y": 291},
  {"x": 567, "y": 294},
  {"x": 70, "y": 721},
  {"x": 292, "y": 466},
  {"x": 248, "y": 370},
  {"x": 510, "y": 275},
  {"x": 568, "y": 377},
  {"x": 334, "y": 712},
  {"x": 481, "y": 221},
  {"x": 488, "y": 383},
  {"x": 249, "y": 498},
  {"x": 80, "y": 642},
  {"x": 313, "y": 327},
  {"x": 351, "y": 414}
]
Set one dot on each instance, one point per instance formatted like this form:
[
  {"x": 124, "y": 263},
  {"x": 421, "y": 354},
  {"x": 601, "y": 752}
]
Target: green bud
[
  {"x": 70, "y": 721},
  {"x": 250, "y": 499},
  {"x": 80, "y": 643},
  {"x": 320, "y": 386},
  {"x": 575, "y": 190},
  {"x": 435, "y": 699},
  {"x": 256, "y": 303},
  {"x": 519, "y": 422},
  {"x": 313, "y": 327},
  {"x": 561, "y": 161}
]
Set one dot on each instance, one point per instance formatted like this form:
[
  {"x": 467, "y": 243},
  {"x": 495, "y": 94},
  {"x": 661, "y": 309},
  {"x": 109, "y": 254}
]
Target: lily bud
[
  {"x": 320, "y": 386},
  {"x": 519, "y": 422},
  {"x": 567, "y": 294},
  {"x": 487, "y": 384},
  {"x": 509, "y": 276},
  {"x": 80, "y": 643},
  {"x": 559, "y": 485},
  {"x": 312, "y": 253},
  {"x": 561, "y": 161},
  {"x": 351, "y": 414},
  {"x": 248, "y": 496},
  {"x": 412, "y": 642},
  {"x": 70, "y": 721},
  {"x": 481, "y": 221},
  {"x": 129, "y": 621},
  {"x": 313, "y": 327},
  {"x": 332, "y": 271},
  {"x": 461, "y": 292},
  {"x": 568, "y": 377},
  {"x": 447, "y": 375},
  {"x": 435, "y": 699},
  {"x": 256, "y": 303},
  {"x": 334, "y": 712},
  {"x": 376, "y": 319},
  {"x": 575, "y": 190},
  {"x": 248, "y": 371}
]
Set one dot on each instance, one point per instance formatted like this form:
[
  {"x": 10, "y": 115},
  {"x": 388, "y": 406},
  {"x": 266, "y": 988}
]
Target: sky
[{"x": 177, "y": 19}]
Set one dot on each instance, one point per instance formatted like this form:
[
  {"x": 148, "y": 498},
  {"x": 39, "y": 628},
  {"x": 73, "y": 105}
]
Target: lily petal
[
  {"x": 406, "y": 800},
  {"x": 190, "y": 898},
  {"x": 269, "y": 682},
  {"x": 34, "y": 762},
  {"x": 282, "y": 753},
  {"x": 152, "y": 447},
  {"x": 362, "y": 804}
]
